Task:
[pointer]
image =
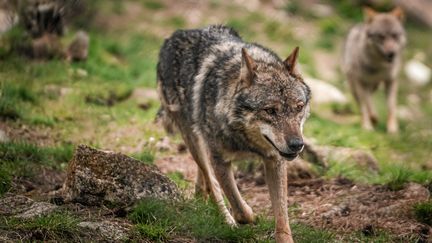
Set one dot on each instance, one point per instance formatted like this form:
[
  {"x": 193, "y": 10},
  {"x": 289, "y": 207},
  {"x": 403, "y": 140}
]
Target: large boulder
[
  {"x": 324, "y": 155},
  {"x": 97, "y": 177}
]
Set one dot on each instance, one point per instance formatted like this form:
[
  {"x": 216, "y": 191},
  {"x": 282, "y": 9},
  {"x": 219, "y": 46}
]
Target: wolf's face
[
  {"x": 385, "y": 33},
  {"x": 273, "y": 107}
]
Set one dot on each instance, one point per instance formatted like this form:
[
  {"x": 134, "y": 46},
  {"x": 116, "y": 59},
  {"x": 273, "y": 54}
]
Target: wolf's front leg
[
  {"x": 276, "y": 177},
  {"x": 361, "y": 96},
  {"x": 242, "y": 211},
  {"x": 391, "y": 87}
]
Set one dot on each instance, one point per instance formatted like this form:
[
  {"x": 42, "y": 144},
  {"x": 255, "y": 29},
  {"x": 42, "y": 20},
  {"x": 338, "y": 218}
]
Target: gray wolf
[
  {"x": 372, "y": 55},
  {"x": 230, "y": 99}
]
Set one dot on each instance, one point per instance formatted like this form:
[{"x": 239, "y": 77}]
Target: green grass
[
  {"x": 53, "y": 227},
  {"x": 24, "y": 159},
  {"x": 147, "y": 156},
  {"x": 12, "y": 97},
  {"x": 162, "y": 220},
  {"x": 179, "y": 179},
  {"x": 423, "y": 212},
  {"x": 177, "y": 22},
  {"x": 20, "y": 151},
  {"x": 399, "y": 157},
  {"x": 153, "y": 5}
]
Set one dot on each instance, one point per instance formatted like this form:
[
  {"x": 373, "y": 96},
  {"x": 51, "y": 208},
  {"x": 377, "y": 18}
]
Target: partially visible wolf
[
  {"x": 372, "y": 55},
  {"x": 228, "y": 99}
]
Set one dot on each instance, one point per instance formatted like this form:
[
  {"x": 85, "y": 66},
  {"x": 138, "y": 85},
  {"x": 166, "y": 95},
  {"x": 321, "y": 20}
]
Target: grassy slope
[{"x": 122, "y": 59}]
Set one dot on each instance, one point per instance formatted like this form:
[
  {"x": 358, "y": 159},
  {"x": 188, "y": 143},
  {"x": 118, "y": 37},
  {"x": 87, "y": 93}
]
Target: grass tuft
[
  {"x": 178, "y": 179},
  {"x": 55, "y": 226},
  {"x": 423, "y": 212},
  {"x": 398, "y": 176},
  {"x": 153, "y": 5},
  {"x": 147, "y": 156},
  {"x": 11, "y": 98}
]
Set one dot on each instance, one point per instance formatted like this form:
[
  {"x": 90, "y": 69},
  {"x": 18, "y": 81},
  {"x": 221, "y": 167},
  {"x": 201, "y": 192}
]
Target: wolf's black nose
[
  {"x": 390, "y": 56},
  {"x": 295, "y": 144}
]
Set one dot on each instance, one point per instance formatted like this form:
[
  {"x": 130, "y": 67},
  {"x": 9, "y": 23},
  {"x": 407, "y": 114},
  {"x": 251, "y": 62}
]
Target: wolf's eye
[
  {"x": 380, "y": 36},
  {"x": 271, "y": 111},
  {"x": 299, "y": 106}
]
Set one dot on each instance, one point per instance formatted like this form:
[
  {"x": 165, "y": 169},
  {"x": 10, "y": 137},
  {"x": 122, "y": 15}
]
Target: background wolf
[
  {"x": 229, "y": 98},
  {"x": 371, "y": 56}
]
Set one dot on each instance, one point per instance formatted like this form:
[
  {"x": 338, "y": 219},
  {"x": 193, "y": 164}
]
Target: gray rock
[
  {"x": 3, "y": 137},
  {"x": 37, "y": 209},
  {"x": 112, "y": 231},
  {"x": 97, "y": 177},
  {"x": 322, "y": 155},
  {"x": 324, "y": 92},
  {"x": 24, "y": 207},
  {"x": 416, "y": 191},
  {"x": 417, "y": 72}
]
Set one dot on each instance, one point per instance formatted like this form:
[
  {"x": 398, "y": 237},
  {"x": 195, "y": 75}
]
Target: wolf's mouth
[{"x": 288, "y": 156}]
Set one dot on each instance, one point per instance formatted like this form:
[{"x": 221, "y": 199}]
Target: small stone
[
  {"x": 164, "y": 144},
  {"x": 3, "y": 137},
  {"x": 417, "y": 72},
  {"x": 321, "y": 10},
  {"x": 81, "y": 73},
  {"x": 24, "y": 207},
  {"x": 416, "y": 191},
  {"x": 112, "y": 231},
  {"x": 37, "y": 209},
  {"x": 324, "y": 92}
]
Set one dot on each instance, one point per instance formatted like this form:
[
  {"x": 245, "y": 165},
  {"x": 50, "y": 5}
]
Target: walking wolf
[{"x": 229, "y": 99}]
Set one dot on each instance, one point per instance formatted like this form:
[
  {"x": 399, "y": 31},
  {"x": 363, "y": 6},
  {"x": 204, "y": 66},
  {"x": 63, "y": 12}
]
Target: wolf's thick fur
[
  {"x": 229, "y": 98},
  {"x": 372, "y": 55}
]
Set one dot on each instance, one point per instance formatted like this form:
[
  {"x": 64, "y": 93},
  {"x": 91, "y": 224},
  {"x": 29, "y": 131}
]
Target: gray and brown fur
[
  {"x": 372, "y": 56},
  {"x": 231, "y": 99}
]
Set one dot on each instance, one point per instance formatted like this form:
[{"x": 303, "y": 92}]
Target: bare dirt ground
[{"x": 337, "y": 204}]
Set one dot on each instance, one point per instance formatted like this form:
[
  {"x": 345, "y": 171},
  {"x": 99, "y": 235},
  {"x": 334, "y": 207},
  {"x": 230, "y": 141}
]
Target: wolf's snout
[
  {"x": 295, "y": 144},
  {"x": 390, "y": 56}
]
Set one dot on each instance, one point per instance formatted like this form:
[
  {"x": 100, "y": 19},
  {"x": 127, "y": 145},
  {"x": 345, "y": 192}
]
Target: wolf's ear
[
  {"x": 398, "y": 13},
  {"x": 248, "y": 68},
  {"x": 369, "y": 14},
  {"x": 291, "y": 61}
]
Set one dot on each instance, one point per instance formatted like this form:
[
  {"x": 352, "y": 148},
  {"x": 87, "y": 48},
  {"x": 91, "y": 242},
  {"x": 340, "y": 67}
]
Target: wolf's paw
[
  {"x": 246, "y": 217},
  {"x": 283, "y": 238},
  {"x": 367, "y": 126},
  {"x": 392, "y": 129},
  {"x": 230, "y": 220}
]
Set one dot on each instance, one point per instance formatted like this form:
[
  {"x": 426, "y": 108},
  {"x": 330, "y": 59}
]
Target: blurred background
[{"x": 75, "y": 72}]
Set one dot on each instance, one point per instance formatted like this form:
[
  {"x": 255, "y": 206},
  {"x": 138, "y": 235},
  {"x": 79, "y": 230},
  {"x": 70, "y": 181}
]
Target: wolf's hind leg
[
  {"x": 391, "y": 88},
  {"x": 242, "y": 211},
  {"x": 201, "y": 188}
]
